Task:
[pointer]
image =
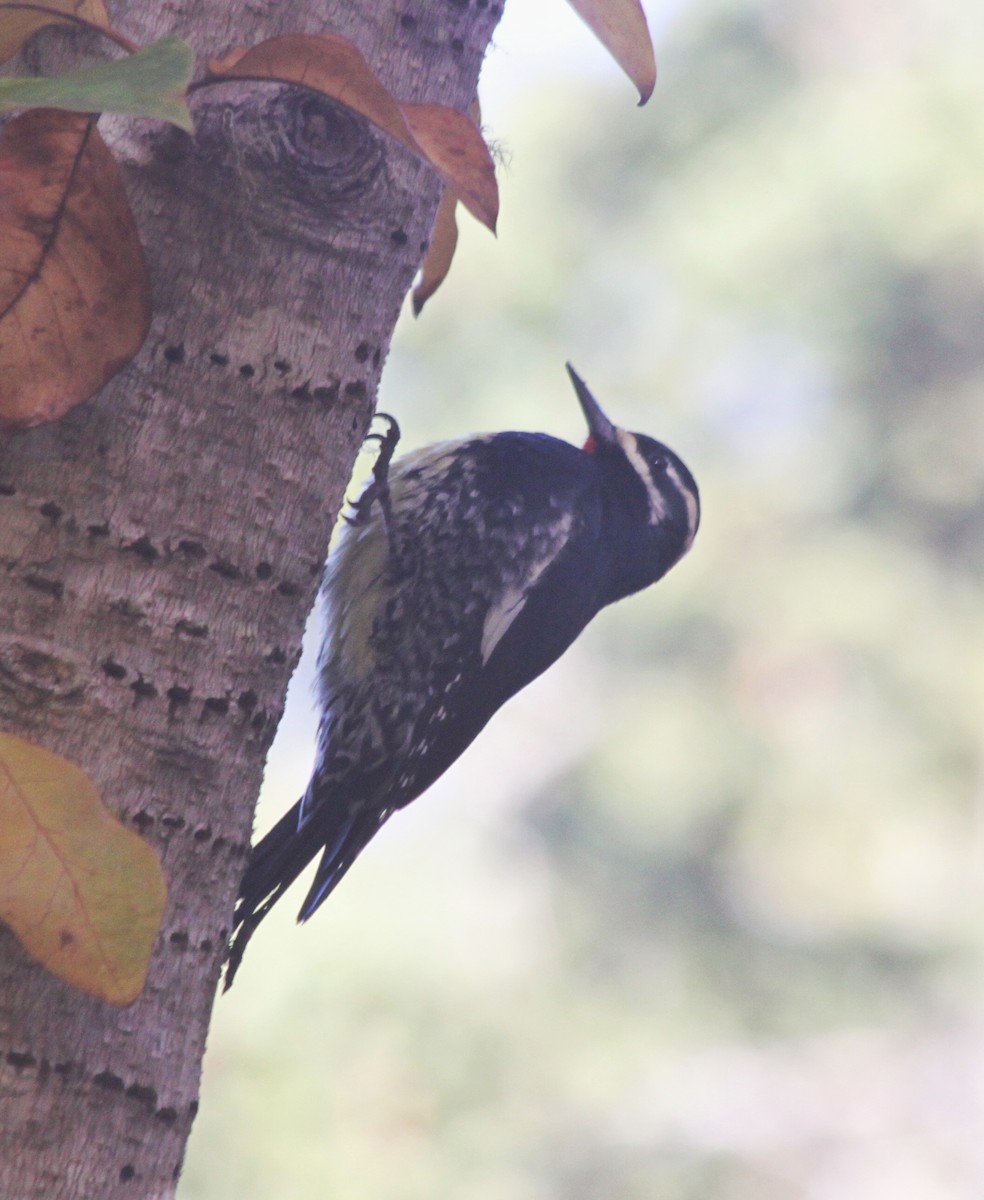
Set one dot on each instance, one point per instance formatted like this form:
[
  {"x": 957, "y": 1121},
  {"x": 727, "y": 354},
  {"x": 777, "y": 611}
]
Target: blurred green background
[{"x": 699, "y": 916}]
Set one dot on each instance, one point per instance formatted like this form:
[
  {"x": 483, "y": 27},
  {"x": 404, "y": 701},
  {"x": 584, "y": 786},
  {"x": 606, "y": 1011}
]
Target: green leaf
[{"x": 151, "y": 83}]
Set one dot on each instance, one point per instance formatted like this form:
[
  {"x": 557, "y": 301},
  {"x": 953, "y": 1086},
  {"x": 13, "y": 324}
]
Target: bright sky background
[{"x": 540, "y": 38}]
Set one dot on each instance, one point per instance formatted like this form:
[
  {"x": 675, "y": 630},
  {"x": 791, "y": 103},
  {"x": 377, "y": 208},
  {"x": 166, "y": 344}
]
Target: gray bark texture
[{"x": 161, "y": 547}]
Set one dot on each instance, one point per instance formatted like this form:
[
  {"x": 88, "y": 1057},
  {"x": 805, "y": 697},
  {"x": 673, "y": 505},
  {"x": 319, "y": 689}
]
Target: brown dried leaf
[
  {"x": 18, "y": 24},
  {"x": 335, "y": 67},
  {"x": 620, "y": 26},
  {"x": 444, "y": 237},
  {"x": 440, "y": 252},
  {"x": 74, "y": 289},
  {"x": 84, "y": 894},
  {"x": 453, "y": 143},
  {"x": 326, "y": 63}
]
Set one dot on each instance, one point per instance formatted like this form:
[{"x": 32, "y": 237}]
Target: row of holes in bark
[
  {"x": 144, "y": 821},
  {"x": 144, "y": 549},
  {"x": 178, "y": 696},
  {"x": 72, "y": 1072},
  {"x": 326, "y": 393}
]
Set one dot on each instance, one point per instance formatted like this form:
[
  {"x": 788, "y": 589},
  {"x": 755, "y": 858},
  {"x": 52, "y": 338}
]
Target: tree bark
[{"x": 162, "y": 545}]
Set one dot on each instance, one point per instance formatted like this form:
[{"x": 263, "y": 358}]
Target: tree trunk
[{"x": 162, "y": 545}]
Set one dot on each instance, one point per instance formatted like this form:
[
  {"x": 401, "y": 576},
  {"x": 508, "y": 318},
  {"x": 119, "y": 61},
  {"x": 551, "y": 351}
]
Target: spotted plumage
[{"x": 466, "y": 570}]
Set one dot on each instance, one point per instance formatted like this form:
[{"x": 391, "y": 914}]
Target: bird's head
[{"x": 652, "y": 484}]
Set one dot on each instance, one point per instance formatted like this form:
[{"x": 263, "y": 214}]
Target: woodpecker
[{"x": 464, "y": 571}]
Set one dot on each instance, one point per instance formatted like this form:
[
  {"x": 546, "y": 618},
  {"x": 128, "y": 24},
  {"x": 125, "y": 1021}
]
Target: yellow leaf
[
  {"x": 84, "y": 894},
  {"x": 620, "y": 26},
  {"x": 74, "y": 289},
  {"x": 18, "y": 23},
  {"x": 440, "y": 252},
  {"x": 449, "y": 140}
]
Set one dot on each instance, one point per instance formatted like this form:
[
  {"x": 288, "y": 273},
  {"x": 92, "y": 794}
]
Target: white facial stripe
[
  {"x": 693, "y": 509},
  {"x": 657, "y": 505}
]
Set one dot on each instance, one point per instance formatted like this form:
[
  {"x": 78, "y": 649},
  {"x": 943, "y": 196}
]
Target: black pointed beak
[{"x": 599, "y": 425}]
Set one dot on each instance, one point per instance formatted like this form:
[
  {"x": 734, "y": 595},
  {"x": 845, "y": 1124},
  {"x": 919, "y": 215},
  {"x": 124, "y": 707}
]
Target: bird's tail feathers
[
  {"x": 279, "y": 857},
  {"x": 275, "y": 862},
  {"x": 340, "y": 854}
]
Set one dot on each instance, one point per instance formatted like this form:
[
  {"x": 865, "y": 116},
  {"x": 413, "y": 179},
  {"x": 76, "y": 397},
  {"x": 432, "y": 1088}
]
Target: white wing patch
[
  {"x": 499, "y": 618},
  {"x": 510, "y": 604}
]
